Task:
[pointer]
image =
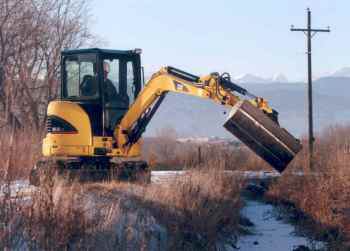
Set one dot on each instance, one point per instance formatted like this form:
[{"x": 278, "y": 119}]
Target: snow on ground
[
  {"x": 164, "y": 176},
  {"x": 256, "y": 174},
  {"x": 269, "y": 234},
  {"x": 22, "y": 187},
  {"x": 18, "y": 188}
]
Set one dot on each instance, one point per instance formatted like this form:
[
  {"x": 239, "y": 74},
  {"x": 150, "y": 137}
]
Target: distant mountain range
[
  {"x": 281, "y": 78},
  {"x": 195, "y": 117}
]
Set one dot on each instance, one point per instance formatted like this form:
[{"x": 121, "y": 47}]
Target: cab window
[
  {"x": 80, "y": 79},
  {"x": 130, "y": 81}
]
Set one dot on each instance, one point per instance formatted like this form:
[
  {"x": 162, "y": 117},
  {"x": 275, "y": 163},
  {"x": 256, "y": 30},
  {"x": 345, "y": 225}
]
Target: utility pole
[{"x": 310, "y": 33}]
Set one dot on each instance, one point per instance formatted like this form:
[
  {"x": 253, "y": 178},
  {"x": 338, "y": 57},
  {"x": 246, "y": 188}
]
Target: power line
[{"x": 310, "y": 33}]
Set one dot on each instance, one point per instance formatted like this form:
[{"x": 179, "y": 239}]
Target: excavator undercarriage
[{"x": 89, "y": 170}]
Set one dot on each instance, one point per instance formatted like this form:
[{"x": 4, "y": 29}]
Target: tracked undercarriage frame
[{"x": 90, "y": 170}]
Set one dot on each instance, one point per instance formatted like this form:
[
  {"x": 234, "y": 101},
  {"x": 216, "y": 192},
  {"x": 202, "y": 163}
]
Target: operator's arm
[{"x": 215, "y": 87}]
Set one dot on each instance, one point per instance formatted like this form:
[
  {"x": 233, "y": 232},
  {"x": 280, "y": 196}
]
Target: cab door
[
  {"x": 120, "y": 88},
  {"x": 80, "y": 84}
]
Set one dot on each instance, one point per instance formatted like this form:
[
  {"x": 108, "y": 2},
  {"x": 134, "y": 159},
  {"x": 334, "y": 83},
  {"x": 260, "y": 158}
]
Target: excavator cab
[{"x": 103, "y": 82}]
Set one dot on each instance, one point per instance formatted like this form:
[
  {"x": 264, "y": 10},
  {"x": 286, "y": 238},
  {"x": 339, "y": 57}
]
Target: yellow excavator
[{"x": 95, "y": 127}]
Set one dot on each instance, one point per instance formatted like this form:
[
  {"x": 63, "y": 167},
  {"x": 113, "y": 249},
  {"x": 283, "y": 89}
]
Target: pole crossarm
[{"x": 312, "y": 30}]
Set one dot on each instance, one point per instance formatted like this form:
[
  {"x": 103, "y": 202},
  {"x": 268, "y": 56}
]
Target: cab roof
[{"x": 102, "y": 51}]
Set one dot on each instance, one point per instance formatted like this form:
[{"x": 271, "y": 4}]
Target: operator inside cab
[
  {"x": 109, "y": 91},
  {"x": 116, "y": 100}
]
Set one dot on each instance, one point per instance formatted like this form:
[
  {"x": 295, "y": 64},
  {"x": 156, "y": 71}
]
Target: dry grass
[
  {"x": 168, "y": 154},
  {"x": 198, "y": 210},
  {"x": 52, "y": 218},
  {"x": 21, "y": 155},
  {"x": 18, "y": 151},
  {"x": 46, "y": 220},
  {"x": 323, "y": 193},
  {"x": 56, "y": 218}
]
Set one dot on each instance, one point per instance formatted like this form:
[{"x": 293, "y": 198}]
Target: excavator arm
[
  {"x": 251, "y": 119},
  {"x": 218, "y": 88}
]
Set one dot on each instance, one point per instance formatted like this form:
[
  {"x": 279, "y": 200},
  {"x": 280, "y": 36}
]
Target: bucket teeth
[{"x": 262, "y": 135}]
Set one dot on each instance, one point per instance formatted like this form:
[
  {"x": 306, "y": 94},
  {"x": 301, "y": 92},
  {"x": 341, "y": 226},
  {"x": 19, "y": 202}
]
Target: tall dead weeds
[{"x": 322, "y": 193}]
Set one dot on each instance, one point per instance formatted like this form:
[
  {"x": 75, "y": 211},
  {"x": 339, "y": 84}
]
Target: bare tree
[{"x": 32, "y": 35}]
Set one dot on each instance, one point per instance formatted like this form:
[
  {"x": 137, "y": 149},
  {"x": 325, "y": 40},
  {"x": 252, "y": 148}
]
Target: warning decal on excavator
[{"x": 179, "y": 86}]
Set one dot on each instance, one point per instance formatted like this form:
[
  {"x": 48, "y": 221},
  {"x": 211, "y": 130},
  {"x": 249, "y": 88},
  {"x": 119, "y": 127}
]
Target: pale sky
[{"x": 227, "y": 35}]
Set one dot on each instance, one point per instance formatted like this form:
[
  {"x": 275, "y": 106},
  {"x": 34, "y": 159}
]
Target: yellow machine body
[
  {"x": 82, "y": 142},
  {"x": 124, "y": 138}
]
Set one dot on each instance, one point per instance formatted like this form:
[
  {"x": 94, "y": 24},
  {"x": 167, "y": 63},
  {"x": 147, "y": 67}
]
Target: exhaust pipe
[{"x": 262, "y": 135}]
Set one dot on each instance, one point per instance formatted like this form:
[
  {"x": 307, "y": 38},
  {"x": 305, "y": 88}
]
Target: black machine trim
[
  {"x": 140, "y": 126},
  {"x": 182, "y": 74},
  {"x": 227, "y": 84},
  {"x": 100, "y": 151},
  {"x": 58, "y": 125}
]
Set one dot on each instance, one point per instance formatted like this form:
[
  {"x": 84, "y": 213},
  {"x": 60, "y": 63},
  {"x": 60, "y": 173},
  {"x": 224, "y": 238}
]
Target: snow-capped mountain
[
  {"x": 251, "y": 78},
  {"x": 279, "y": 78},
  {"x": 343, "y": 72}
]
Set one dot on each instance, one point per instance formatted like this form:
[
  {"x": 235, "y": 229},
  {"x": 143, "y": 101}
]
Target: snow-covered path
[{"x": 269, "y": 234}]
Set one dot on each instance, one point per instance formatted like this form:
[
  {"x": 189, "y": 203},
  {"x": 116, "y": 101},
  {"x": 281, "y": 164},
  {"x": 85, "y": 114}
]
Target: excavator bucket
[{"x": 262, "y": 135}]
